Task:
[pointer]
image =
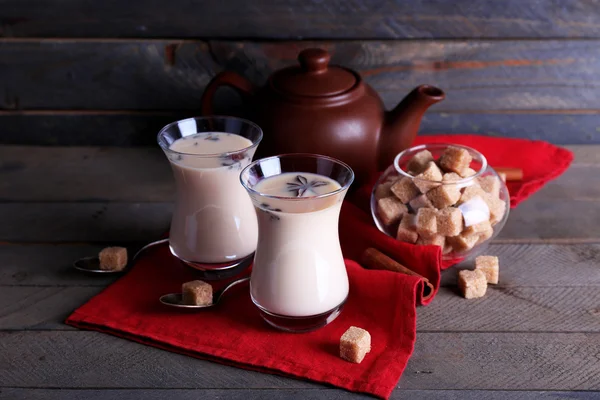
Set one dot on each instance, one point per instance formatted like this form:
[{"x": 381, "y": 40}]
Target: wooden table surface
[{"x": 535, "y": 335}]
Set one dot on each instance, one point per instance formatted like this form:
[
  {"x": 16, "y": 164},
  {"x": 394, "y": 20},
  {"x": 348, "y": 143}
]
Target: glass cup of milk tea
[
  {"x": 299, "y": 281},
  {"x": 214, "y": 222}
]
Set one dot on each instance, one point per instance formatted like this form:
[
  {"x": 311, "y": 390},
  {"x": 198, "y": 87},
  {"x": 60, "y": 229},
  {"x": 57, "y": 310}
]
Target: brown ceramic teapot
[{"x": 323, "y": 109}]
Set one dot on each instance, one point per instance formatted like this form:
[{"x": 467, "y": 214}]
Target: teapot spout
[{"x": 402, "y": 123}]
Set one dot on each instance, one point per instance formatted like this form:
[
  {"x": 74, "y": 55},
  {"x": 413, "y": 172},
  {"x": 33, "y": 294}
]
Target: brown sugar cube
[
  {"x": 478, "y": 229},
  {"x": 489, "y": 266},
  {"x": 447, "y": 249},
  {"x": 426, "y": 222},
  {"x": 392, "y": 177},
  {"x": 472, "y": 284},
  {"x": 407, "y": 230},
  {"x": 419, "y": 161},
  {"x": 497, "y": 208},
  {"x": 502, "y": 176},
  {"x": 197, "y": 293},
  {"x": 470, "y": 192},
  {"x": 462, "y": 243},
  {"x": 437, "y": 240},
  {"x": 355, "y": 343},
  {"x": 383, "y": 190},
  {"x": 451, "y": 177},
  {"x": 485, "y": 235},
  {"x": 444, "y": 196},
  {"x": 490, "y": 184},
  {"x": 468, "y": 172},
  {"x": 390, "y": 210},
  {"x": 455, "y": 159},
  {"x": 429, "y": 178},
  {"x": 113, "y": 258},
  {"x": 404, "y": 189},
  {"x": 420, "y": 202},
  {"x": 449, "y": 221}
]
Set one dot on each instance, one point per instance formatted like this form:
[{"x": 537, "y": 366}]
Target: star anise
[{"x": 302, "y": 185}]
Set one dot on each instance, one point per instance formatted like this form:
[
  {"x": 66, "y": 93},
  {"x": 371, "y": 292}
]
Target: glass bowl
[{"x": 483, "y": 203}]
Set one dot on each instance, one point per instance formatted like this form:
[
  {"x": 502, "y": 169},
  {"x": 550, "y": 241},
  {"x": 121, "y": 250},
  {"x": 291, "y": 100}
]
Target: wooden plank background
[{"x": 79, "y": 72}]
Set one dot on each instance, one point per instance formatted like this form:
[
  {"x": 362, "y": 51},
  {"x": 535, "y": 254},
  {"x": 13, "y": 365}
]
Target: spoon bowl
[
  {"x": 92, "y": 264},
  {"x": 176, "y": 299}
]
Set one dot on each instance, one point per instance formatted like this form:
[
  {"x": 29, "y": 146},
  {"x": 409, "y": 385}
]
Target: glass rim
[
  {"x": 255, "y": 143},
  {"x": 297, "y": 155},
  {"x": 484, "y": 163}
]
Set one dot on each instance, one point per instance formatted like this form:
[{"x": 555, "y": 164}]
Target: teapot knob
[{"x": 314, "y": 60}]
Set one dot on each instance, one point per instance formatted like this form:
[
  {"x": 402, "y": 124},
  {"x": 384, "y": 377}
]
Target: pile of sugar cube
[
  {"x": 428, "y": 208},
  {"x": 473, "y": 284}
]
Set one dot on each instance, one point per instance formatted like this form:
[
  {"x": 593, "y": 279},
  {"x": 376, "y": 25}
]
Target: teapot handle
[{"x": 225, "y": 78}]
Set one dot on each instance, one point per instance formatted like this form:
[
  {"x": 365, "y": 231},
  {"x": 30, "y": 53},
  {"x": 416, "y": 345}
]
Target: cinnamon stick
[
  {"x": 512, "y": 174},
  {"x": 374, "y": 259}
]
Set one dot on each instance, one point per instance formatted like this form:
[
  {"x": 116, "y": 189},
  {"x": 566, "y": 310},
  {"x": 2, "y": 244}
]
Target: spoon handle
[
  {"x": 146, "y": 247},
  {"x": 226, "y": 288}
]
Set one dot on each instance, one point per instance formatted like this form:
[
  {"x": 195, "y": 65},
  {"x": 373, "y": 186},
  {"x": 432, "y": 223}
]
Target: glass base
[
  {"x": 212, "y": 271},
  {"x": 300, "y": 324}
]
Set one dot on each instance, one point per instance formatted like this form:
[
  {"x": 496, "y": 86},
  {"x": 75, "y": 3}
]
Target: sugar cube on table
[
  {"x": 444, "y": 196},
  {"x": 355, "y": 343},
  {"x": 449, "y": 221},
  {"x": 429, "y": 178},
  {"x": 113, "y": 258},
  {"x": 461, "y": 243},
  {"x": 426, "y": 222},
  {"x": 419, "y": 161},
  {"x": 455, "y": 159},
  {"x": 490, "y": 184},
  {"x": 197, "y": 293},
  {"x": 437, "y": 240},
  {"x": 407, "y": 230},
  {"x": 383, "y": 190},
  {"x": 419, "y": 202},
  {"x": 405, "y": 189},
  {"x": 472, "y": 284},
  {"x": 489, "y": 266},
  {"x": 390, "y": 210}
]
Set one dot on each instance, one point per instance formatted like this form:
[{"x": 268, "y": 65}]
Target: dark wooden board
[
  {"x": 546, "y": 309},
  {"x": 92, "y": 174},
  {"x": 523, "y": 265},
  {"x": 292, "y": 394},
  {"x": 538, "y": 220},
  {"x": 285, "y": 19},
  {"x": 123, "y": 128},
  {"x": 85, "y": 174},
  {"x": 554, "y": 287},
  {"x": 486, "y": 361},
  {"x": 110, "y": 223},
  {"x": 171, "y": 74}
]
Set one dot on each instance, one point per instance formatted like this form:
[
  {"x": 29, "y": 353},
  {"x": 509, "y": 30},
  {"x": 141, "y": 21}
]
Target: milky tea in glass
[{"x": 213, "y": 221}]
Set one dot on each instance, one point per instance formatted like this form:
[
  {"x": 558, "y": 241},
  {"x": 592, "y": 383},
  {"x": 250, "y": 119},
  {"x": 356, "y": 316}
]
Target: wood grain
[
  {"x": 110, "y": 223},
  {"x": 293, "y": 394},
  {"x": 92, "y": 174},
  {"x": 541, "y": 309},
  {"x": 125, "y": 128},
  {"x": 171, "y": 74},
  {"x": 287, "y": 19},
  {"x": 487, "y": 361},
  {"x": 554, "y": 287},
  {"x": 523, "y": 265}
]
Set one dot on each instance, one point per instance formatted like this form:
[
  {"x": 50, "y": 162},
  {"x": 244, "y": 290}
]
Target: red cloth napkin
[
  {"x": 233, "y": 333},
  {"x": 380, "y": 301},
  {"x": 540, "y": 161}
]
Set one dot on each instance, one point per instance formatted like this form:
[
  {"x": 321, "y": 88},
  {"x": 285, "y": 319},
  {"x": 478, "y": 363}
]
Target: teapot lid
[{"x": 314, "y": 77}]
